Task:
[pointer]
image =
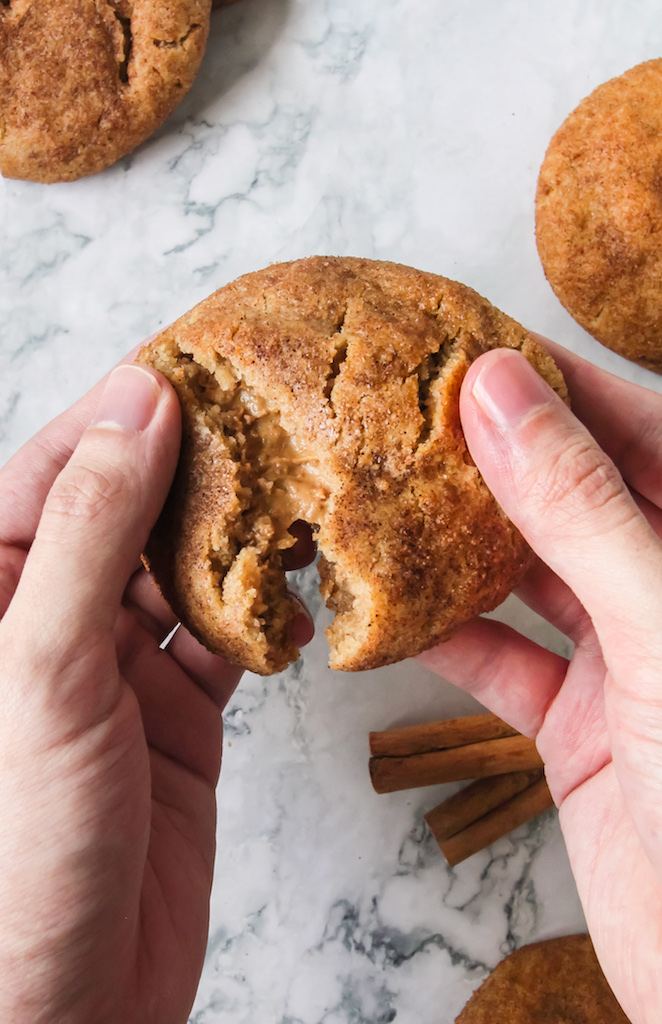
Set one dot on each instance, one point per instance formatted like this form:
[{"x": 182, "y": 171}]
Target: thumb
[
  {"x": 561, "y": 490},
  {"x": 97, "y": 517},
  {"x": 571, "y": 504}
]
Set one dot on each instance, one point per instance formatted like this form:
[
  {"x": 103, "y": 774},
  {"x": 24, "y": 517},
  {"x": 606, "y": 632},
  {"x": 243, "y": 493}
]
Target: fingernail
[
  {"x": 129, "y": 399},
  {"x": 508, "y": 389},
  {"x": 303, "y": 628}
]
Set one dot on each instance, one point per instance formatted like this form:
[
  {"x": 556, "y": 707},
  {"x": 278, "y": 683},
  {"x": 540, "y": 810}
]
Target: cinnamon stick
[
  {"x": 475, "y": 801},
  {"x": 472, "y": 761},
  {"x": 454, "y": 732},
  {"x": 497, "y": 823}
]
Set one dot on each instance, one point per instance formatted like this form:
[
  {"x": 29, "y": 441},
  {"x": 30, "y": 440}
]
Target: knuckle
[
  {"x": 581, "y": 481},
  {"x": 86, "y": 491}
]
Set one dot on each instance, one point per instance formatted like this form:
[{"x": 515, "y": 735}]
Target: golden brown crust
[
  {"x": 558, "y": 981},
  {"x": 599, "y": 214},
  {"x": 82, "y": 82},
  {"x": 352, "y": 370}
]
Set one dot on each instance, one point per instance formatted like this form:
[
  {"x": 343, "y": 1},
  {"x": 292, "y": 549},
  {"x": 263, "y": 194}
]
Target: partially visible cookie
[
  {"x": 83, "y": 82},
  {"x": 327, "y": 390},
  {"x": 599, "y": 214},
  {"x": 554, "y": 982}
]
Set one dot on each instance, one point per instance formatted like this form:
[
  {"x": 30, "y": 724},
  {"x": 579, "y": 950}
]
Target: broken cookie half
[{"x": 326, "y": 390}]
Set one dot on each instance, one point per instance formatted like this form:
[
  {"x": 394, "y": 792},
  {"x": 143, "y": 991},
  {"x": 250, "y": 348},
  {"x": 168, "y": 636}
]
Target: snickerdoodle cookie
[
  {"x": 599, "y": 214},
  {"x": 558, "y": 981},
  {"x": 82, "y": 82},
  {"x": 326, "y": 390}
]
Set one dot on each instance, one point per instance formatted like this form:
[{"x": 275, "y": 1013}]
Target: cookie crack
[
  {"x": 124, "y": 23},
  {"x": 127, "y": 35},
  {"x": 337, "y": 362},
  {"x": 429, "y": 371},
  {"x": 173, "y": 44}
]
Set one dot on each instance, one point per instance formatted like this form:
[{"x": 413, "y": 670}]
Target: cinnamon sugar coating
[
  {"x": 599, "y": 214},
  {"x": 83, "y": 82},
  {"x": 327, "y": 390},
  {"x": 557, "y": 981}
]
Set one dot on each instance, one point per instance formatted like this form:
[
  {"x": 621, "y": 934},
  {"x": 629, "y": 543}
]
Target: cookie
[
  {"x": 599, "y": 214},
  {"x": 326, "y": 390},
  {"x": 558, "y": 981},
  {"x": 83, "y": 82}
]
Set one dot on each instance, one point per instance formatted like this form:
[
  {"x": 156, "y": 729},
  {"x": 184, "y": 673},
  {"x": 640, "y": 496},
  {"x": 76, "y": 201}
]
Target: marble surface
[{"x": 388, "y": 129}]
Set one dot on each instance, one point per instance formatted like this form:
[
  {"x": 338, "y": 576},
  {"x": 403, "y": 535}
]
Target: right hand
[{"x": 588, "y": 498}]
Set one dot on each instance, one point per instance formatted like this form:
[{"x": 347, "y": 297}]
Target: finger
[
  {"x": 559, "y": 488},
  {"x": 508, "y": 673},
  {"x": 95, "y": 522},
  {"x": 304, "y": 550},
  {"x": 12, "y": 561},
  {"x": 526, "y": 686},
  {"x": 548, "y": 596},
  {"x": 303, "y": 626},
  {"x": 572, "y": 505},
  {"x": 625, "y": 419},
  {"x": 651, "y": 512},
  {"x": 28, "y": 476},
  {"x": 143, "y": 598},
  {"x": 214, "y": 675},
  {"x": 178, "y": 718}
]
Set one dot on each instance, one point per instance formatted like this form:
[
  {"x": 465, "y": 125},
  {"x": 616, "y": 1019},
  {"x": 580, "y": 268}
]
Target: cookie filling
[{"x": 278, "y": 480}]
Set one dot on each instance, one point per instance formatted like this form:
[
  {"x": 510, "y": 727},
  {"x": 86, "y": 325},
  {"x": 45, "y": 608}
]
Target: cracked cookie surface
[
  {"x": 599, "y": 214},
  {"x": 327, "y": 390},
  {"x": 83, "y": 82}
]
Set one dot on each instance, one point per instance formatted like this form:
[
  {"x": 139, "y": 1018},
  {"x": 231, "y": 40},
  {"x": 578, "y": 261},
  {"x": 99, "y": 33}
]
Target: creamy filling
[
  {"x": 288, "y": 476},
  {"x": 279, "y": 479}
]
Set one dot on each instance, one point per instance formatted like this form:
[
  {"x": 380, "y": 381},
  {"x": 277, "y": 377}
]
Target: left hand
[{"x": 110, "y": 747}]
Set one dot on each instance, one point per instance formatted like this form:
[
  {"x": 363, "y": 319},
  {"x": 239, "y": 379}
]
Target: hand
[
  {"x": 110, "y": 747},
  {"x": 587, "y": 498}
]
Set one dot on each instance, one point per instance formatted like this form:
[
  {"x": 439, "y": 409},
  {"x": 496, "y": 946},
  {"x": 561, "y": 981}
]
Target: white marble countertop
[{"x": 391, "y": 129}]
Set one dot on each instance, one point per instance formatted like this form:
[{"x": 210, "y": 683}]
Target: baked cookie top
[
  {"x": 327, "y": 390},
  {"x": 558, "y": 981},
  {"x": 82, "y": 82},
  {"x": 599, "y": 214}
]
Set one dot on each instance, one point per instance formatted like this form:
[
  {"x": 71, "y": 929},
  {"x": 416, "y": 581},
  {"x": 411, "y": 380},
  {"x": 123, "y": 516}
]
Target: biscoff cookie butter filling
[
  {"x": 327, "y": 391},
  {"x": 276, "y": 480}
]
